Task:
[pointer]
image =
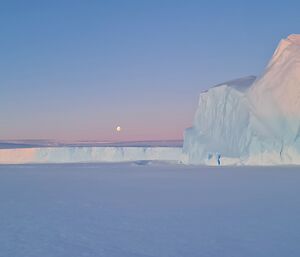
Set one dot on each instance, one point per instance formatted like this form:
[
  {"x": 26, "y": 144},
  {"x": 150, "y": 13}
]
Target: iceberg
[{"x": 251, "y": 121}]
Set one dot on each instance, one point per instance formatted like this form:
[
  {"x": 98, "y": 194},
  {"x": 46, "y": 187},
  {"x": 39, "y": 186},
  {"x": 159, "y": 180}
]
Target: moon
[{"x": 118, "y": 128}]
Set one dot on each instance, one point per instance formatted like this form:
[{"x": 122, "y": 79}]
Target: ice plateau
[{"x": 251, "y": 121}]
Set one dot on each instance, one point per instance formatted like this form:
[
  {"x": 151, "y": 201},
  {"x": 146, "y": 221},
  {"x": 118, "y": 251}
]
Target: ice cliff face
[
  {"x": 215, "y": 130},
  {"x": 250, "y": 121},
  {"x": 88, "y": 154}
]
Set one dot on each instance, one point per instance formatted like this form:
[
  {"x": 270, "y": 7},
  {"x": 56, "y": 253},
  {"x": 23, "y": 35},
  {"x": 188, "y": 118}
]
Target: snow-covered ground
[{"x": 148, "y": 210}]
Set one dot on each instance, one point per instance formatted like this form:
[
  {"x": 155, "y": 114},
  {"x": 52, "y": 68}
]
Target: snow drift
[{"x": 250, "y": 121}]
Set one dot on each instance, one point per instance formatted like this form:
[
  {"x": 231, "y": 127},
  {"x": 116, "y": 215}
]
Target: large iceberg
[{"x": 251, "y": 121}]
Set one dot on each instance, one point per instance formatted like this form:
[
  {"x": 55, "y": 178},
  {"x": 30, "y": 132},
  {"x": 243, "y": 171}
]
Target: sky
[{"x": 74, "y": 70}]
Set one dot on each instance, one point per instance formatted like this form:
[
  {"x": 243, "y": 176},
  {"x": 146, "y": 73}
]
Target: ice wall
[
  {"x": 221, "y": 124},
  {"x": 88, "y": 154}
]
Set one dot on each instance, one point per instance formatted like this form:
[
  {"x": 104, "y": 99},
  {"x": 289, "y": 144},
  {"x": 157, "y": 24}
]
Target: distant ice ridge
[
  {"x": 88, "y": 154},
  {"x": 251, "y": 121}
]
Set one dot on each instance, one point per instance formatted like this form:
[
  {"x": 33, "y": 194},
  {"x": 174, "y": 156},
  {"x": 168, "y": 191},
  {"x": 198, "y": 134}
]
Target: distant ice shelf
[{"x": 88, "y": 154}]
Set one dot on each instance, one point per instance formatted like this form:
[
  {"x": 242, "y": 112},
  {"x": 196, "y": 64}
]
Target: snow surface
[
  {"x": 256, "y": 124},
  {"x": 88, "y": 154},
  {"x": 155, "y": 210}
]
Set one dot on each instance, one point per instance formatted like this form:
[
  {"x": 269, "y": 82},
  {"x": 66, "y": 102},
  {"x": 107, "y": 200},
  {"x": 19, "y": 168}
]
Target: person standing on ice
[{"x": 219, "y": 159}]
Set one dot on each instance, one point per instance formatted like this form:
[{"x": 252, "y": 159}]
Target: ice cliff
[
  {"x": 88, "y": 154},
  {"x": 251, "y": 121}
]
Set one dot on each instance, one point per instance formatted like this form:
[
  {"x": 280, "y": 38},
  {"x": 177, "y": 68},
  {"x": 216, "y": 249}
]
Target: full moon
[{"x": 118, "y": 128}]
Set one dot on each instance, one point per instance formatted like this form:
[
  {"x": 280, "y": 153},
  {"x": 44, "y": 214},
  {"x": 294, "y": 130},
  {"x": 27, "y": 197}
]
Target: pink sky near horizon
[{"x": 78, "y": 131}]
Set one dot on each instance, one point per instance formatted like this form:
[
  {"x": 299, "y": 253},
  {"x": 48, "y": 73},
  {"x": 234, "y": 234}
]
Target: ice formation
[
  {"x": 248, "y": 121},
  {"x": 88, "y": 154}
]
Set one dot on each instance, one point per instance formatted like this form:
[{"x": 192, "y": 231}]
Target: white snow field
[
  {"x": 157, "y": 210},
  {"x": 248, "y": 121}
]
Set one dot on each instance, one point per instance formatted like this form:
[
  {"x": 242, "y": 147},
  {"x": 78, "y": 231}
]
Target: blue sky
[{"x": 74, "y": 70}]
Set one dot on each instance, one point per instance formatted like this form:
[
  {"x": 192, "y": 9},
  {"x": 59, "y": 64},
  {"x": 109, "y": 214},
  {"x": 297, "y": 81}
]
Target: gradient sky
[{"x": 73, "y": 70}]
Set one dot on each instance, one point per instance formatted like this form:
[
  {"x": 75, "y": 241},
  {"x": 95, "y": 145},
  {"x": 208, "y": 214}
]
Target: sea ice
[{"x": 130, "y": 210}]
